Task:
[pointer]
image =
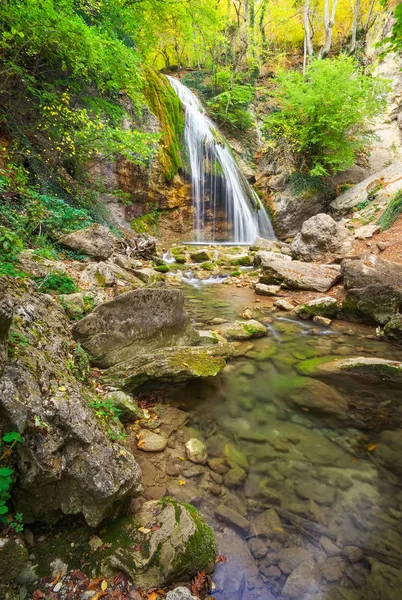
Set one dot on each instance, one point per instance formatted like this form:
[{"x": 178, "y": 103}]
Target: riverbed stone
[
  {"x": 325, "y": 307},
  {"x": 269, "y": 525},
  {"x": 283, "y": 304},
  {"x": 148, "y": 276},
  {"x": 290, "y": 558},
  {"x": 233, "y": 518},
  {"x": 267, "y": 290},
  {"x": 332, "y": 569},
  {"x": 196, "y": 451},
  {"x": 180, "y": 593},
  {"x": 329, "y": 546},
  {"x": 200, "y": 256},
  {"x": 152, "y": 442},
  {"x": 296, "y": 275},
  {"x": 133, "y": 324},
  {"x": 234, "y": 477},
  {"x": 258, "y": 547},
  {"x": 243, "y": 330},
  {"x": 354, "y": 554},
  {"x": 389, "y": 450},
  {"x": 95, "y": 241},
  {"x": 312, "y": 490},
  {"x": 320, "y": 236},
  {"x": 301, "y": 581},
  {"x": 319, "y": 397}
]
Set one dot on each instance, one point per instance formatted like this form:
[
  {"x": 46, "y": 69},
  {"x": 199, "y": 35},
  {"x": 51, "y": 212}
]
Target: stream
[{"x": 318, "y": 472}]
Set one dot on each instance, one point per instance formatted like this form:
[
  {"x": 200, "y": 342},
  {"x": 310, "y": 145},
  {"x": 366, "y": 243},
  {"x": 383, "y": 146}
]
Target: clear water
[
  {"x": 316, "y": 472},
  {"x": 218, "y": 186}
]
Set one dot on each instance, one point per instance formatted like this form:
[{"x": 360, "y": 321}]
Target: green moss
[
  {"x": 162, "y": 269},
  {"x": 308, "y": 367},
  {"x": 244, "y": 261},
  {"x": 392, "y": 212},
  {"x": 166, "y": 106},
  {"x": 382, "y": 371},
  {"x": 323, "y": 310},
  {"x": 13, "y": 558},
  {"x": 207, "y": 266}
]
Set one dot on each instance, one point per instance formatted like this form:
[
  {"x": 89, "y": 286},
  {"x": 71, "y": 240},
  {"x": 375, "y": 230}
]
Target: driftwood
[{"x": 134, "y": 246}]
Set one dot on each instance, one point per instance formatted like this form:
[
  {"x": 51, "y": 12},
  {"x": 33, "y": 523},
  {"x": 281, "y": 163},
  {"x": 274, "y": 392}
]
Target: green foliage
[
  {"x": 392, "y": 212},
  {"x": 79, "y": 364},
  {"x": 395, "y": 39},
  {"x": 16, "y": 342},
  {"x": 10, "y": 269},
  {"x": 321, "y": 120},
  {"x": 10, "y": 244},
  {"x": 105, "y": 408},
  {"x": 229, "y": 107},
  {"x": 145, "y": 223},
  {"x": 162, "y": 268},
  {"x": 7, "y": 476},
  {"x": 56, "y": 283}
]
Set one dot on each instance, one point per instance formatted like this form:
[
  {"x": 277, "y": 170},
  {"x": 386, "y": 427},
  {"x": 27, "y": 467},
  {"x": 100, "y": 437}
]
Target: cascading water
[{"x": 218, "y": 185}]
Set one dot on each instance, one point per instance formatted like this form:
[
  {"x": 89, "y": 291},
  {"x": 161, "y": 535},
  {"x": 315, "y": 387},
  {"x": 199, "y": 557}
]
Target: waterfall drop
[{"x": 218, "y": 185}]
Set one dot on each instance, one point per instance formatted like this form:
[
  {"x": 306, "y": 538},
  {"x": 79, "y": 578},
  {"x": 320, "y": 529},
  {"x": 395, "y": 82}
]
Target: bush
[
  {"x": 56, "y": 283},
  {"x": 392, "y": 212},
  {"x": 230, "y": 106},
  {"x": 10, "y": 244},
  {"x": 321, "y": 119}
]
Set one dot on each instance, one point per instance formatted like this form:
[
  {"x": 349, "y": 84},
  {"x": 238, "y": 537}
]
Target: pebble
[
  {"x": 353, "y": 554},
  {"x": 233, "y": 518},
  {"x": 330, "y": 548},
  {"x": 58, "y": 586},
  {"x": 271, "y": 571},
  {"x": 258, "y": 548},
  {"x": 284, "y": 305}
]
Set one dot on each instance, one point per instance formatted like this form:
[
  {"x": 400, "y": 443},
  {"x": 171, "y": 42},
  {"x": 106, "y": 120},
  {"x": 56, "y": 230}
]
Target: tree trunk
[
  {"x": 261, "y": 25},
  {"x": 329, "y": 20},
  {"x": 308, "y": 43},
  {"x": 356, "y": 11}
]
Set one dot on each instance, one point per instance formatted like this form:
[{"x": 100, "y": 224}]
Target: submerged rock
[
  {"x": 320, "y": 236},
  {"x": 134, "y": 324},
  {"x": 243, "y": 330},
  {"x": 296, "y": 275},
  {"x": 319, "y": 397},
  {"x": 95, "y": 241},
  {"x": 67, "y": 464},
  {"x": 196, "y": 451}
]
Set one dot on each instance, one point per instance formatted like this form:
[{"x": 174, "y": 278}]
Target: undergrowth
[{"x": 392, "y": 212}]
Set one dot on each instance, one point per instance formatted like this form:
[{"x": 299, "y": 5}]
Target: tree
[
  {"x": 320, "y": 121},
  {"x": 329, "y": 21},
  {"x": 356, "y": 10}
]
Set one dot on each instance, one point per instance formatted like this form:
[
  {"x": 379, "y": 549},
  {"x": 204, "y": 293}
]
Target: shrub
[
  {"x": 230, "y": 106},
  {"x": 321, "y": 120},
  {"x": 56, "y": 283},
  {"x": 10, "y": 244}
]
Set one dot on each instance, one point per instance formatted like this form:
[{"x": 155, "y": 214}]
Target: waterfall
[{"x": 218, "y": 186}]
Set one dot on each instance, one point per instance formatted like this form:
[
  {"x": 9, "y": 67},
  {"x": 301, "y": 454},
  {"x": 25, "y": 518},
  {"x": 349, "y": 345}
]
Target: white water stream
[{"x": 218, "y": 185}]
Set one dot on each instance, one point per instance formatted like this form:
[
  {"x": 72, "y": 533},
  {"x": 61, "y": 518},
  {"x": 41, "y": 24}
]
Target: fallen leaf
[
  {"x": 122, "y": 453},
  {"x": 182, "y": 482},
  {"x": 221, "y": 559},
  {"x": 141, "y": 443},
  {"x": 153, "y": 596},
  {"x": 56, "y": 579},
  {"x": 104, "y": 585},
  {"x": 98, "y": 595},
  {"x": 144, "y": 530},
  {"x": 371, "y": 447},
  {"x": 62, "y": 388}
]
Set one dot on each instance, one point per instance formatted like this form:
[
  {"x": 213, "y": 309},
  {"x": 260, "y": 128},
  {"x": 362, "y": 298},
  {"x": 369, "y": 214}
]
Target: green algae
[{"x": 308, "y": 367}]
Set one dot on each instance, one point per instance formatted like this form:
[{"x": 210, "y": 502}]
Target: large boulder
[
  {"x": 296, "y": 275},
  {"x": 321, "y": 236},
  {"x": 385, "y": 183},
  {"x": 389, "y": 450},
  {"x": 374, "y": 289},
  {"x": 67, "y": 463},
  {"x": 134, "y": 325},
  {"x": 95, "y": 241}
]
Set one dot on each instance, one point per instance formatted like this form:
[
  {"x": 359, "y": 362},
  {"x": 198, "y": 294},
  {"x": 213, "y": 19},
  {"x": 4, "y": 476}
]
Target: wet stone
[
  {"x": 152, "y": 442},
  {"x": 196, "y": 451},
  {"x": 301, "y": 580},
  {"x": 353, "y": 554},
  {"x": 234, "y": 477},
  {"x": 218, "y": 465},
  {"x": 332, "y": 569},
  {"x": 270, "y": 571},
  {"x": 233, "y": 518},
  {"x": 258, "y": 547},
  {"x": 330, "y": 548}
]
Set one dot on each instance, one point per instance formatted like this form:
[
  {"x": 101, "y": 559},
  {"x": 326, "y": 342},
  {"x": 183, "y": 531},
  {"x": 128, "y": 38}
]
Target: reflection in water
[{"x": 302, "y": 446}]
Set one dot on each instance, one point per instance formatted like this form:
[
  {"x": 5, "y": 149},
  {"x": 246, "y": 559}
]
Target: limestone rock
[
  {"x": 283, "y": 304},
  {"x": 95, "y": 241},
  {"x": 366, "y": 231},
  {"x": 168, "y": 365},
  {"x": 243, "y": 330},
  {"x": 321, "y": 236},
  {"x": 319, "y": 397},
  {"x": 234, "y": 477},
  {"x": 267, "y": 290},
  {"x": 67, "y": 463},
  {"x": 152, "y": 442},
  {"x": 322, "y": 321},
  {"x": 323, "y": 307},
  {"x": 297, "y": 275},
  {"x": 126, "y": 405},
  {"x": 269, "y": 525},
  {"x": 179, "y": 544},
  {"x": 74, "y": 304},
  {"x": 233, "y": 518},
  {"x": 196, "y": 451},
  {"x": 368, "y": 369},
  {"x": 148, "y": 276},
  {"x": 180, "y": 593},
  {"x": 301, "y": 581},
  {"x": 393, "y": 328},
  {"x": 200, "y": 256},
  {"x": 389, "y": 450},
  {"x": 6, "y": 319},
  {"x": 133, "y": 324}
]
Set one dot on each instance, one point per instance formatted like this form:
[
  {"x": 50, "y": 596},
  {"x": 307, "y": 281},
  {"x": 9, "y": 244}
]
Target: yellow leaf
[
  {"x": 144, "y": 530},
  {"x": 153, "y": 596},
  {"x": 140, "y": 443},
  {"x": 62, "y": 388},
  {"x": 371, "y": 447},
  {"x": 182, "y": 482},
  {"x": 104, "y": 585},
  {"x": 122, "y": 453}
]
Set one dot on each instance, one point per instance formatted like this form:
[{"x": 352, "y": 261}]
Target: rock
[
  {"x": 218, "y": 465},
  {"x": 179, "y": 544},
  {"x": 317, "y": 396},
  {"x": 268, "y": 524},
  {"x": 13, "y": 561},
  {"x": 243, "y": 330},
  {"x": 180, "y": 593},
  {"x": 374, "y": 288},
  {"x": 270, "y": 571},
  {"x": 73, "y": 304},
  {"x": 152, "y": 442},
  {"x": 330, "y": 548},
  {"x": 196, "y": 451},
  {"x": 323, "y": 307},
  {"x": 322, "y": 321},
  {"x": 148, "y": 276},
  {"x": 126, "y": 405},
  {"x": 232, "y": 518},
  {"x": 95, "y": 241},
  {"x": 67, "y": 463},
  {"x": 283, "y": 304},
  {"x": 234, "y": 477},
  {"x": 321, "y": 236},
  {"x": 290, "y": 558},
  {"x": 267, "y": 290},
  {"x": 134, "y": 324},
  {"x": 301, "y": 581},
  {"x": 389, "y": 450},
  {"x": 200, "y": 256},
  {"x": 332, "y": 569},
  {"x": 353, "y": 554},
  {"x": 312, "y": 490},
  {"x": 208, "y": 338},
  {"x": 6, "y": 319},
  {"x": 393, "y": 328},
  {"x": 242, "y": 259},
  {"x": 388, "y": 181},
  {"x": 296, "y": 275},
  {"x": 366, "y": 231},
  {"x": 365, "y": 369},
  {"x": 258, "y": 547},
  {"x": 168, "y": 365},
  {"x": 107, "y": 274}
]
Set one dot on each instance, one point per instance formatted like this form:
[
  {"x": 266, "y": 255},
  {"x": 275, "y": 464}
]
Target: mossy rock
[
  {"x": 322, "y": 307},
  {"x": 167, "y": 541},
  {"x": 13, "y": 560},
  {"x": 200, "y": 256},
  {"x": 243, "y": 330},
  {"x": 309, "y": 366}
]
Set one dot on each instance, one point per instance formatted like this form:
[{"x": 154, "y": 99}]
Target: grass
[{"x": 392, "y": 212}]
